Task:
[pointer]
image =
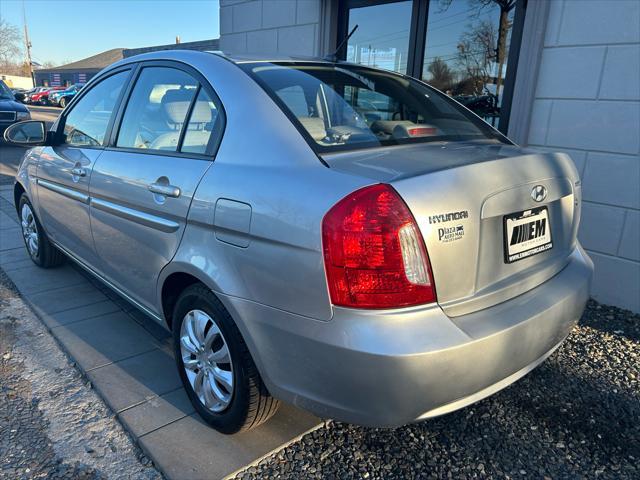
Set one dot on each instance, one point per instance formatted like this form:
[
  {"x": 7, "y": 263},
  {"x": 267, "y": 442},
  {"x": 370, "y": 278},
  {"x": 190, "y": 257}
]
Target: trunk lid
[{"x": 460, "y": 194}]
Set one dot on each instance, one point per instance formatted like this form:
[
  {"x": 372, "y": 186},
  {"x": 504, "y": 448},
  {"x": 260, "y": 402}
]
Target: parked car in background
[
  {"x": 61, "y": 98},
  {"x": 20, "y": 94},
  {"x": 33, "y": 91},
  {"x": 11, "y": 111},
  {"x": 485, "y": 106},
  {"x": 42, "y": 97},
  {"x": 344, "y": 238}
]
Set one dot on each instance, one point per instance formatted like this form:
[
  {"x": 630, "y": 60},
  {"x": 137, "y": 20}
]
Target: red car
[{"x": 42, "y": 97}]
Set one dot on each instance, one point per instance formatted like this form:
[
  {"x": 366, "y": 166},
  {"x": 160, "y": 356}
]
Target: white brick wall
[
  {"x": 587, "y": 104},
  {"x": 270, "y": 26}
]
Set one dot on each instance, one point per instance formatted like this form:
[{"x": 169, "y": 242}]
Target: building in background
[
  {"x": 83, "y": 70},
  {"x": 201, "y": 45},
  {"x": 560, "y": 75},
  {"x": 77, "y": 72},
  {"x": 14, "y": 81}
]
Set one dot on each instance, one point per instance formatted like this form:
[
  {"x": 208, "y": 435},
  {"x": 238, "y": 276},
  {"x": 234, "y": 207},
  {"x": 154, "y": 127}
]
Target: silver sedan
[{"x": 342, "y": 238}]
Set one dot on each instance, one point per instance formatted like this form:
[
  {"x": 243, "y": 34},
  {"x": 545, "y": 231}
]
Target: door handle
[
  {"x": 165, "y": 190},
  {"x": 78, "y": 172}
]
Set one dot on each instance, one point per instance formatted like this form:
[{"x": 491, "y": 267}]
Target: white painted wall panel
[{"x": 587, "y": 104}]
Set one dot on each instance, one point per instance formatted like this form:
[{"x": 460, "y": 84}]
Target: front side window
[
  {"x": 348, "y": 106},
  {"x": 86, "y": 124},
  {"x": 157, "y": 109}
]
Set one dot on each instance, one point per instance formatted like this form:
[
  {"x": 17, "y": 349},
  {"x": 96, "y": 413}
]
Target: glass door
[
  {"x": 382, "y": 37},
  {"x": 466, "y": 52},
  {"x": 461, "y": 47}
]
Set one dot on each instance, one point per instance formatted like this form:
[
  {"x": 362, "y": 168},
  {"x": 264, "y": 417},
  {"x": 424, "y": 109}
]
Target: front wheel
[
  {"x": 215, "y": 366},
  {"x": 40, "y": 249},
  {"x": 63, "y": 102}
]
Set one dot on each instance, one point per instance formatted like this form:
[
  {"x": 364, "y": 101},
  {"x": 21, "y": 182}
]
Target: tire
[
  {"x": 45, "y": 254},
  {"x": 63, "y": 102},
  {"x": 43, "y": 102},
  {"x": 247, "y": 403}
]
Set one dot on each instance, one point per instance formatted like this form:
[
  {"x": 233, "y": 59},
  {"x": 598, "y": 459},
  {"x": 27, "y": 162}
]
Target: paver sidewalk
[{"x": 129, "y": 360}]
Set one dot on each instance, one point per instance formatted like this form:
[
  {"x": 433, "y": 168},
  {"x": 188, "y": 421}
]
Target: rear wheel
[
  {"x": 39, "y": 247},
  {"x": 215, "y": 365}
]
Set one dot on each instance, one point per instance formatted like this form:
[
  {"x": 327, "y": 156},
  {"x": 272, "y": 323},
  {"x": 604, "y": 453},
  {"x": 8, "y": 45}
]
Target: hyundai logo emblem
[{"x": 539, "y": 193}]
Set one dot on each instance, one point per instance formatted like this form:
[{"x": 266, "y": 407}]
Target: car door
[
  {"x": 64, "y": 171},
  {"x": 142, "y": 186}
]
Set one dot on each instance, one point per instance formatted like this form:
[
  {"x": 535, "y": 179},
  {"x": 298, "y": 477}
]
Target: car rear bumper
[{"x": 390, "y": 368}]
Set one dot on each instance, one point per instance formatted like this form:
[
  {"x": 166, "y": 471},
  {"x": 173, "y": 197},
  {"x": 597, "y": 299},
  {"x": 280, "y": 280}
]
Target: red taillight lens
[
  {"x": 373, "y": 252},
  {"x": 421, "y": 131}
]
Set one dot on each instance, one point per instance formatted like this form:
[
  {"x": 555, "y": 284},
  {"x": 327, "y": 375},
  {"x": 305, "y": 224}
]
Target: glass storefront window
[
  {"x": 382, "y": 37},
  {"x": 466, "y": 51}
]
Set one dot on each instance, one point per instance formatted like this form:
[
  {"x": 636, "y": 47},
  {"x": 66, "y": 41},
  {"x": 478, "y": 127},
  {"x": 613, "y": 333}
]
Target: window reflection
[
  {"x": 382, "y": 37},
  {"x": 466, "y": 51}
]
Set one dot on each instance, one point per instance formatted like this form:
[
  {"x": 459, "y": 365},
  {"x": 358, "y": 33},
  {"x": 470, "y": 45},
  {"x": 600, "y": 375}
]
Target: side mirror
[{"x": 26, "y": 134}]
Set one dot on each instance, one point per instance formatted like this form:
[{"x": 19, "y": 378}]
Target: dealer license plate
[{"x": 526, "y": 233}]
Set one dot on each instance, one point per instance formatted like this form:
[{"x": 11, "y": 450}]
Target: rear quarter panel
[{"x": 264, "y": 163}]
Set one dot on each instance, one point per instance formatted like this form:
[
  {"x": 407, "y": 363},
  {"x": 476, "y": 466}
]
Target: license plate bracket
[{"x": 526, "y": 233}]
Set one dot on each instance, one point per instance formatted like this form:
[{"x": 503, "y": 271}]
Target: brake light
[
  {"x": 421, "y": 131},
  {"x": 373, "y": 252}
]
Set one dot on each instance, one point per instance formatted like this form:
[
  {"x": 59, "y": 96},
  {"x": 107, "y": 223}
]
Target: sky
[{"x": 63, "y": 31}]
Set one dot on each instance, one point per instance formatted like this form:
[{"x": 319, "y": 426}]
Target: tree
[
  {"x": 48, "y": 64},
  {"x": 504, "y": 25},
  {"x": 441, "y": 74},
  {"x": 10, "y": 47},
  {"x": 475, "y": 55}
]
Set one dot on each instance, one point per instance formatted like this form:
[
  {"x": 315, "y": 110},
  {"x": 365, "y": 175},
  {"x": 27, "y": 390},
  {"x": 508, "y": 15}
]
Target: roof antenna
[{"x": 333, "y": 57}]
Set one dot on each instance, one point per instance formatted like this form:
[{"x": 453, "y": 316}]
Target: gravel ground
[
  {"x": 575, "y": 416},
  {"x": 52, "y": 425}
]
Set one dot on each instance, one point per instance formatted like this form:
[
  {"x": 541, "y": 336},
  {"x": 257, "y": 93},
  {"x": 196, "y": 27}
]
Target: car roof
[
  {"x": 240, "y": 58},
  {"x": 244, "y": 58}
]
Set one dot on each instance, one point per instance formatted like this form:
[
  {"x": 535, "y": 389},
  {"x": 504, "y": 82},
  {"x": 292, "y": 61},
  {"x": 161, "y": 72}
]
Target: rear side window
[
  {"x": 86, "y": 124},
  {"x": 341, "y": 106},
  {"x": 168, "y": 110},
  {"x": 203, "y": 123}
]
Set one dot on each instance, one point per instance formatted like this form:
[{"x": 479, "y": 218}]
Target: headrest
[
  {"x": 176, "y": 103},
  {"x": 315, "y": 127},
  {"x": 201, "y": 112}
]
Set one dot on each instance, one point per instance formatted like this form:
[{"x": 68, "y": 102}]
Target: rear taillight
[{"x": 373, "y": 251}]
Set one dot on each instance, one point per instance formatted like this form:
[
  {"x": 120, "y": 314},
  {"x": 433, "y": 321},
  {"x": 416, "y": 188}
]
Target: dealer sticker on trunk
[{"x": 526, "y": 233}]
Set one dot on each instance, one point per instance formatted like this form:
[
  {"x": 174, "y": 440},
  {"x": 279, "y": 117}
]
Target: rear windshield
[{"x": 345, "y": 107}]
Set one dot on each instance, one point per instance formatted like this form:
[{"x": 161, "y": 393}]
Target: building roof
[
  {"x": 95, "y": 62},
  {"x": 200, "y": 45}
]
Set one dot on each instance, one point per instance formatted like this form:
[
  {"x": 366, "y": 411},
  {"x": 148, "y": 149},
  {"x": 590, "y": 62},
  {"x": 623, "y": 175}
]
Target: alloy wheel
[
  {"x": 206, "y": 360},
  {"x": 29, "y": 230}
]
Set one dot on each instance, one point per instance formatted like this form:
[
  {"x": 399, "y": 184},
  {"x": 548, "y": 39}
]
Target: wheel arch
[
  {"x": 176, "y": 277},
  {"x": 173, "y": 279},
  {"x": 18, "y": 190}
]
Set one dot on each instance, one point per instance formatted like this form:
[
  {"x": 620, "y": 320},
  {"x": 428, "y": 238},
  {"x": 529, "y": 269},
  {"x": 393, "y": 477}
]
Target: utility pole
[{"x": 27, "y": 45}]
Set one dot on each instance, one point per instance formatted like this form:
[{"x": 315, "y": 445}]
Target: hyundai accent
[{"x": 342, "y": 238}]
